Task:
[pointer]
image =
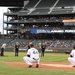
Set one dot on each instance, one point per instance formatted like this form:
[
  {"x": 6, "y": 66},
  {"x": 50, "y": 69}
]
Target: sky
[{"x": 2, "y": 10}]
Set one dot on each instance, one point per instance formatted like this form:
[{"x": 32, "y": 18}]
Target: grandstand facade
[{"x": 41, "y": 19}]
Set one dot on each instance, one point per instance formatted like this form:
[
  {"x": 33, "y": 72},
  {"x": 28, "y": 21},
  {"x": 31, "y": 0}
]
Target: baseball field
[{"x": 50, "y": 64}]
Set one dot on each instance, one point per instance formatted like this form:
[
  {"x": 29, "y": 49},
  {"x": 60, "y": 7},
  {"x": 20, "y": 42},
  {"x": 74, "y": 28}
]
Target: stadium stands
[{"x": 35, "y": 16}]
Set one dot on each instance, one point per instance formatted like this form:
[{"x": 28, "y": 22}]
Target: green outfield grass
[{"x": 49, "y": 57}]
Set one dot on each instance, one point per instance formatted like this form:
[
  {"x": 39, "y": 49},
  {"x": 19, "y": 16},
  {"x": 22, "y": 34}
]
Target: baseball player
[
  {"x": 2, "y": 49},
  {"x": 32, "y": 56},
  {"x": 71, "y": 58}
]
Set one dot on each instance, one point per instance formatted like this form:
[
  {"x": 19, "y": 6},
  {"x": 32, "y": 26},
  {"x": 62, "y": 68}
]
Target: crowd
[{"x": 49, "y": 43}]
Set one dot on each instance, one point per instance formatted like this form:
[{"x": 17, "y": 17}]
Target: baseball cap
[{"x": 31, "y": 45}]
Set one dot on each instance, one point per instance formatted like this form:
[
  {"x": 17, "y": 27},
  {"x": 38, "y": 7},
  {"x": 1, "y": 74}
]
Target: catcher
[
  {"x": 71, "y": 58},
  {"x": 32, "y": 56}
]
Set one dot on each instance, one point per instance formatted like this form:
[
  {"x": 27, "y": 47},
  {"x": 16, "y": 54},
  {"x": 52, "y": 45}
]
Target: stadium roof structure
[
  {"x": 12, "y": 3},
  {"x": 20, "y": 3}
]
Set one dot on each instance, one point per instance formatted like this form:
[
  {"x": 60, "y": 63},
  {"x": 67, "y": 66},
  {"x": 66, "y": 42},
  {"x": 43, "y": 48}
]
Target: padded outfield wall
[{"x": 53, "y": 50}]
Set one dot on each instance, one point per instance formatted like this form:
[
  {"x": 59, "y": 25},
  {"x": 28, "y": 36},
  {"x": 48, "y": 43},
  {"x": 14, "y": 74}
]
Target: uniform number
[{"x": 35, "y": 52}]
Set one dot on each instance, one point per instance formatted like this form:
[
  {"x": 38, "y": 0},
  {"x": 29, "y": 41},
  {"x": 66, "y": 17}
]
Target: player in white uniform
[
  {"x": 32, "y": 56},
  {"x": 71, "y": 59},
  {"x": 2, "y": 49}
]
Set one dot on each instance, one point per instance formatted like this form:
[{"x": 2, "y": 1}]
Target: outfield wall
[
  {"x": 59, "y": 50},
  {"x": 54, "y": 50}
]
